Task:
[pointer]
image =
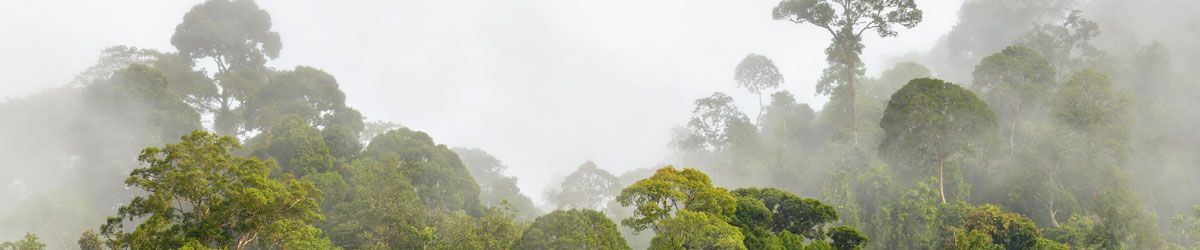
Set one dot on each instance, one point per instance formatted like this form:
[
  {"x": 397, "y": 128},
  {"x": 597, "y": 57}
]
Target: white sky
[{"x": 541, "y": 84}]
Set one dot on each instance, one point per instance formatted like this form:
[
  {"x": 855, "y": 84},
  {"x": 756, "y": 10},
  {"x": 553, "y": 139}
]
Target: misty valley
[{"x": 1027, "y": 124}]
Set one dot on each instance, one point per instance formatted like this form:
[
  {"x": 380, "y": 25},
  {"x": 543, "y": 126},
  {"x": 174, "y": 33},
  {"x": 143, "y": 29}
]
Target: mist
[{"x": 528, "y": 92}]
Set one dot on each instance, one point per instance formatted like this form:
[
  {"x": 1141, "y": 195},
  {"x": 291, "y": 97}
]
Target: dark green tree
[
  {"x": 846, "y": 238},
  {"x": 791, "y": 213},
  {"x": 439, "y": 177},
  {"x": 929, "y": 120}
]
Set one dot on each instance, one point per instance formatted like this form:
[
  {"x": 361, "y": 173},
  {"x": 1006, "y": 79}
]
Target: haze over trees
[{"x": 1030, "y": 125}]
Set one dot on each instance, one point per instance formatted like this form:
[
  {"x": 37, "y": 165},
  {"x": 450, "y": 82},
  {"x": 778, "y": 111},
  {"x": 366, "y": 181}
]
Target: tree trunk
[
  {"x": 853, "y": 107},
  {"x": 942, "y": 178},
  {"x": 758, "y": 120},
  {"x": 1012, "y": 131}
]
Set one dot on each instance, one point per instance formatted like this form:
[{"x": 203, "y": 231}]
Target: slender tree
[
  {"x": 846, "y": 22},
  {"x": 757, "y": 73}
]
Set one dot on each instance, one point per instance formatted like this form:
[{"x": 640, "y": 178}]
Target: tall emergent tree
[
  {"x": 847, "y": 27},
  {"x": 757, "y": 73},
  {"x": 237, "y": 36},
  {"x": 929, "y": 120},
  {"x": 199, "y": 194},
  {"x": 1013, "y": 79}
]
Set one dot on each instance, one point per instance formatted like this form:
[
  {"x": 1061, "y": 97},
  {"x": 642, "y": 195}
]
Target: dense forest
[{"x": 1032, "y": 124}]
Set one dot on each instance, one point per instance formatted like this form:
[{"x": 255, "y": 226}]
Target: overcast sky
[{"x": 541, "y": 84}]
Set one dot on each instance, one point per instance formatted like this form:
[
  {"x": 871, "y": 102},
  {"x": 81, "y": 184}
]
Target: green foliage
[
  {"x": 588, "y": 187},
  {"x": 572, "y": 229},
  {"x": 196, "y": 191},
  {"x": 29, "y": 242},
  {"x": 439, "y": 177},
  {"x": 696, "y": 230},
  {"x": 670, "y": 191}
]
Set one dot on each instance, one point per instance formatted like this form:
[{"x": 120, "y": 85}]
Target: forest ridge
[{"x": 1033, "y": 124}]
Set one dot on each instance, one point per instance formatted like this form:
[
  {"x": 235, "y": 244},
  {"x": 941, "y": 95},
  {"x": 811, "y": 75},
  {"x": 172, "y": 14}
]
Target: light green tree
[
  {"x": 29, "y": 242},
  {"x": 696, "y": 230},
  {"x": 197, "y": 191}
]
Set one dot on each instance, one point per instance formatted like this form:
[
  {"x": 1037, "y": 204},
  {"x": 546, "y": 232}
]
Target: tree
[
  {"x": 1009, "y": 230},
  {"x": 1088, "y": 102},
  {"x": 29, "y": 242},
  {"x": 1067, "y": 47},
  {"x": 145, "y": 96},
  {"x": 197, "y": 191},
  {"x": 90, "y": 241},
  {"x": 846, "y": 28},
  {"x": 496, "y": 229},
  {"x": 1014, "y": 78},
  {"x": 572, "y": 229},
  {"x": 237, "y": 36},
  {"x": 588, "y": 187},
  {"x": 846, "y": 238},
  {"x": 310, "y": 93},
  {"x": 297, "y": 146},
  {"x": 495, "y": 188},
  {"x": 696, "y": 230},
  {"x": 712, "y": 122},
  {"x": 930, "y": 120},
  {"x": 757, "y": 73},
  {"x": 791, "y": 213},
  {"x": 439, "y": 177},
  {"x": 670, "y": 191},
  {"x": 382, "y": 209},
  {"x": 787, "y": 125}
]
